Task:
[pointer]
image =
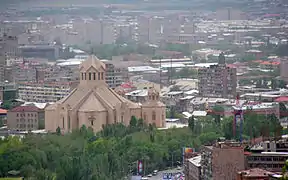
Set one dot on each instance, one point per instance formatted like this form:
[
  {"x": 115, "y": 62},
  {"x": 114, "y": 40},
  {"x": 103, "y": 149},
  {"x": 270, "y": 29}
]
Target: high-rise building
[
  {"x": 217, "y": 80},
  {"x": 222, "y": 161},
  {"x": 283, "y": 69},
  {"x": 8, "y": 50}
]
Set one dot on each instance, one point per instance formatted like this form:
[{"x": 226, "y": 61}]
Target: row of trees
[{"x": 113, "y": 152}]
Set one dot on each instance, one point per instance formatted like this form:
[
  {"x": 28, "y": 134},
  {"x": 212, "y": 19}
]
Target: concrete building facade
[
  {"x": 24, "y": 118},
  {"x": 93, "y": 104},
  {"x": 194, "y": 168},
  {"x": 8, "y": 50},
  {"x": 283, "y": 69},
  {"x": 217, "y": 81},
  {"x": 222, "y": 161},
  {"x": 43, "y": 92}
]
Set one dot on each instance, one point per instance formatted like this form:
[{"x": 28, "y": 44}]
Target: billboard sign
[
  {"x": 238, "y": 116},
  {"x": 140, "y": 167},
  {"x": 186, "y": 152}
]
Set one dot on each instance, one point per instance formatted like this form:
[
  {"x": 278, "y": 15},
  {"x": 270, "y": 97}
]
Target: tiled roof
[
  {"x": 3, "y": 111},
  {"x": 282, "y": 99},
  {"x": 25, "y": 108}
]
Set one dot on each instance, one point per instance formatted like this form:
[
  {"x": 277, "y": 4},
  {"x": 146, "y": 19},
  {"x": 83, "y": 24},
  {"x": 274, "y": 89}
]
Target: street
[{"x": 160, "y": 173}]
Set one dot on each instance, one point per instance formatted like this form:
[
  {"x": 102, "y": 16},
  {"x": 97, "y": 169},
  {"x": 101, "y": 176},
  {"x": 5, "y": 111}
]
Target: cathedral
[{"x": 93, "y": 104}]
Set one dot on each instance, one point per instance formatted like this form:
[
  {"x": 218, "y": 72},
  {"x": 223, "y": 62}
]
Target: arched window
[
  {"x": 153, "y": 116},
  {"x": 90, "y": 76},
  {"x": 153, "y": 97},
  {"x": 99, "y": 75},
  {"x": 94, "y": 76},
  {"x": 63, "y": 123},
  {"x": 82, "y": 76},
  {"x": 85, "y": 76}
]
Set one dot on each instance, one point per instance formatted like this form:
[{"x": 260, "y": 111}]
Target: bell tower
[
  {"x": 153, "y": 95},
  {"x": 92, "y": 72}
]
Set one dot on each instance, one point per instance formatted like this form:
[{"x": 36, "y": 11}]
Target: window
[
  {"x": 31, "y": 125},
  {"x": 90, "y": 76},
  {"x": 94, "y": 76},
  {"x": 102, "y": 75},
  {"x": 92, "y": 122},
  {"x": 98, "y": 75},
  {"x": 153, "y": 116},
  {"x": 28, "y": 120},
  {"x": 122, "y": 117},
  {"x": 85, "y": 76},
  {"x": 28, "y": 115},
  {"x": 69, "y": 123},
  {"x": 63, "y": 123},
  {"x": 17, "y": 120},
  {"x": 35, "y": 120},
  {"x": 17, "y": 115},
  {"x": 82, "y": 76}
]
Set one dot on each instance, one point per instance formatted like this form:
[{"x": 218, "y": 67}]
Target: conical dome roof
[{"x": 92, "y": 61}]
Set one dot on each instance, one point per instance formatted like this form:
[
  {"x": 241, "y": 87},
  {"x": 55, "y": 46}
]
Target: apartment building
[
  {"x": 283, "y": 69},
  {"x": 43, "y": 92},
  {"x": 217, "y": 80},
  {"x": 193, "y": 167},
  {"x": 270, "y": 161},
  {"x": 114, "y": 76},
  {"x": 222, "y": 161},
  {"x": 24, "y": 118},
  {"x": 270, "y": 154},
  {"x": 8, "y": 50},
  {"x": 8, "y": 91}
]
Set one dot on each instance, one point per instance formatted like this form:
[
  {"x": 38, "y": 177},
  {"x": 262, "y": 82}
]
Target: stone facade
[{"x": 93, "y": 104}]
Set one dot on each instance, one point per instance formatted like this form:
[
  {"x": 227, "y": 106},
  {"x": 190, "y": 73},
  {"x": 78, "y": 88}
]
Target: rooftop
[
  {"x": 25, "y": 109},
  {"x": 196, "y": 161},
  {"x": 256, "y": 172}
]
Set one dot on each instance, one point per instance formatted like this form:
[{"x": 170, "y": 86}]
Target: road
[{"x": 160, "y": 173}]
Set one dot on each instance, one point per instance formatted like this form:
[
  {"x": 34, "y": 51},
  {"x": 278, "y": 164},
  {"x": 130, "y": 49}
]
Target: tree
[
  {"x": 283, "y": 110},
  {"x": 218, "y": 110},
  {"x": 191, "y": 123},
  {"x": 282, "y": 84},
  {"x": 58, "y": 131},
  {"x": 284, "y": 171},
  {"x": 133, "y": 122}
]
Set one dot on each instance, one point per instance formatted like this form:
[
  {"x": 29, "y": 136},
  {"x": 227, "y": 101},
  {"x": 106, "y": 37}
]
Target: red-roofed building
[
  {"x": 282, "y": 99},
  {"x": 269, "y": 65},
  {"x": 24, "y": 118}
]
